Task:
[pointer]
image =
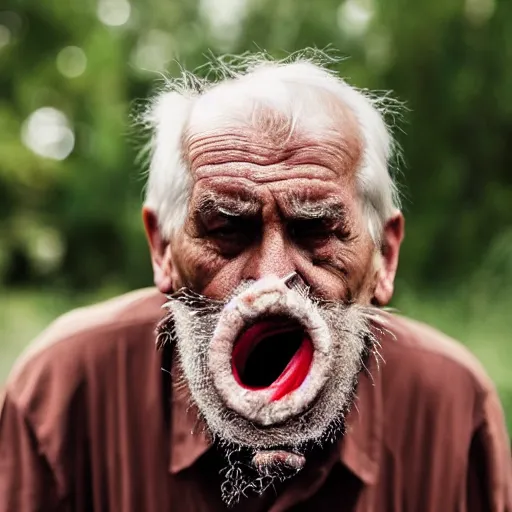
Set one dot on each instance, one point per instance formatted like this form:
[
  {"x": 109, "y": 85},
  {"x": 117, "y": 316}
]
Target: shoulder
[
  {"x": 435, "y": 376},
  {"x": 83, "y": 337},
  {"x": 75, "y": 378},
  {"x": 438, "y": 356},
  {"x": 439, "y": 405}
]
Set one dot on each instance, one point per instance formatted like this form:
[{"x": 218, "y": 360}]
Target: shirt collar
[{"x": 359, "y": 448}]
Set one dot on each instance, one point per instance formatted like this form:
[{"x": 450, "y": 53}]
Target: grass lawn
[{"x": 478, "y": 323}]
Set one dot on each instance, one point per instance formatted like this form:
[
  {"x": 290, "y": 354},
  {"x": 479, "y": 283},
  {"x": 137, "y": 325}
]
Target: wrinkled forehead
[{"x": 294, "y": 127}]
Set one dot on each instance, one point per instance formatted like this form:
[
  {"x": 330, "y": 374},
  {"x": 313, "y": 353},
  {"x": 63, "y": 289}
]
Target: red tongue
[{"x": 294, "y": 373}]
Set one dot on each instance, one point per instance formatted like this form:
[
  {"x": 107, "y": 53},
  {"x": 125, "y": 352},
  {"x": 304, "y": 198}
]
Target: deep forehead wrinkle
[
  {"x": 216, "y": 154},
  {"x": 221, "y": 146}
]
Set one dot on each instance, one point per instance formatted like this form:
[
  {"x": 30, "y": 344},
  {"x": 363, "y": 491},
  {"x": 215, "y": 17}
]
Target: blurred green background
[{"x": 70, "y": 193}]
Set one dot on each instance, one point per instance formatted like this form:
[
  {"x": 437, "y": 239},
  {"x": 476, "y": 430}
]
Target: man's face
[
  {"x": 273, "y": 366},
  {"x": 260, "y": 208}
]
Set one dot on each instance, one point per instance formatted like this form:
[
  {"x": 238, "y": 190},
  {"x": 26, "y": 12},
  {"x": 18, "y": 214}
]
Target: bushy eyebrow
[
  {"x": 212, "y": 204},
  {"x": 307, "y": 208}
]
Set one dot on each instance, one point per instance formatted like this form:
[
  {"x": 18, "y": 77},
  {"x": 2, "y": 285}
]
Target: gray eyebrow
[
  {"x": 212, "y": 203},
  {"x": 307, "y": 208}
]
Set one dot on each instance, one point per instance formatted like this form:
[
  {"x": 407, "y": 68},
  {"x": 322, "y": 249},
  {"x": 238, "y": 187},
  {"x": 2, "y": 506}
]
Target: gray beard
[{"x": 191, "y": 324}]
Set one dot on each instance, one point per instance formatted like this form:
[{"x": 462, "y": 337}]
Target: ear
[
  {"x": 160, "y": 250},
  {"x": 392, "y": 237}
]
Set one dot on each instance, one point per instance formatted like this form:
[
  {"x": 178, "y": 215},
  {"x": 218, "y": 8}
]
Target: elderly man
[{"x": 278, "y": 381}]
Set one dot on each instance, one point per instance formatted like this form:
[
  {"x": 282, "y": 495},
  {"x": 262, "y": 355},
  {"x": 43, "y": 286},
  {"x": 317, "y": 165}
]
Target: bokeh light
[
  {"x": 224, "y": 18},
  {"x": 5, "y": 36},
  {"x": 46, "y": 249},
  {"x": 71, "y": 61},
  {"x": 153, "y": 51},
  {"x": 479, "y": 11},
  {"x": 47, "y": 133},
  {"x": 354, "y": 17},
  {"x": 114, "y": 12}
]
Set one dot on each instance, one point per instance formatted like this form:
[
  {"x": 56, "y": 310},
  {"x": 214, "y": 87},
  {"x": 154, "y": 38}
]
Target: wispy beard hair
[{"x": 189, "y": 327}]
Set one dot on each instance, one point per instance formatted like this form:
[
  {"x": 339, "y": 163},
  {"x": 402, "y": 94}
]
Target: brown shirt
[{"x": 83, "y": 427}]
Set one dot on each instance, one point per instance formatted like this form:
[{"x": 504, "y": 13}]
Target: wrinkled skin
[{"x": 250, "y": 171}]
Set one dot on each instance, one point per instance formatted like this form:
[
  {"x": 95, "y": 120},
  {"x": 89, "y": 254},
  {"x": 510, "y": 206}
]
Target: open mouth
[{"x": 275, "y": 353}]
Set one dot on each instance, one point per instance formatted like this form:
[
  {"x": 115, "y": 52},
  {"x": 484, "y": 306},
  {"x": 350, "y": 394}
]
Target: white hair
[{"x": 295, "y": 89}]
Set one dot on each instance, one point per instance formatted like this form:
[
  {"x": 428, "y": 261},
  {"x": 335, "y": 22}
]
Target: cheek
[
  {"x": 342, "y": 270},
  {"x": 194, "y": 264},
  {"x": 366, "y": 279},
  {"x": 201, "y": 269}
]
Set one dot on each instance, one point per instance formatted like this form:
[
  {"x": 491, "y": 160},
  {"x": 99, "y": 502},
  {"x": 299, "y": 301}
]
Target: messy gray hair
[{"x": 293, "y": 88}]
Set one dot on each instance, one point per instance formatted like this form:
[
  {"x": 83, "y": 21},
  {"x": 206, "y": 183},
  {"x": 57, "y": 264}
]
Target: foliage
[
  {"x": 71, "y": 221},
  {"x": 76, "y": 222}
]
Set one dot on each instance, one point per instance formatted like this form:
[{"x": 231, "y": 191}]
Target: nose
[{"x": 272, "y": 257}]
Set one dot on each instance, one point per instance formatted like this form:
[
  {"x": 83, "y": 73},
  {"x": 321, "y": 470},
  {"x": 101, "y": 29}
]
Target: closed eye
[
  {"x": 226, "y": 228},
  {"x": 316, "y": 231},
  {"x": 230, "y": 234},
  {"x": 310, "y": 228}
]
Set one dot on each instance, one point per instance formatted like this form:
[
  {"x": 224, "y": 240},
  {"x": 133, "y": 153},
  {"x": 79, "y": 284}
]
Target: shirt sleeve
[
  {"x": 26, "y": 480},
  {"x": 489, "y": 483}
]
